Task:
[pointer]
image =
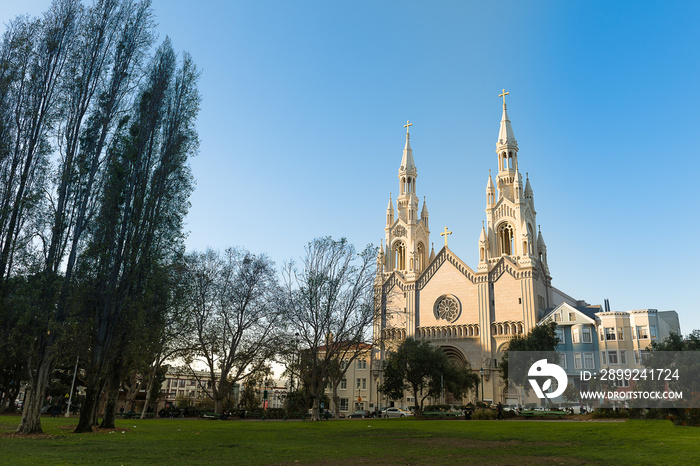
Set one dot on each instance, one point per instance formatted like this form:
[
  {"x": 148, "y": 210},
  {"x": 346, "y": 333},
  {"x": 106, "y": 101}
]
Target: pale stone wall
[
  {"x": 448, "y": 280},
  {"x": 507, "y": 296}
]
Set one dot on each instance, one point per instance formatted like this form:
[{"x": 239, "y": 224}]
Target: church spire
[
  {"x": 507, "y": 150},
  {"x": 407, "y": 164},
  {"x": 407, "y": 201},
  {"x": 505, "y": 135}
]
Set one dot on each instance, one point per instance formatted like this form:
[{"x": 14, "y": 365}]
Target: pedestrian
[{"x": 500, "y": 412}]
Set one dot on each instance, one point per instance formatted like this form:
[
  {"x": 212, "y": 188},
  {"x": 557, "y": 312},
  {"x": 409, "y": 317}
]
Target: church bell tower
[
  {"x": 511, "y": 220},
  {"x": 407, "y": 233}
]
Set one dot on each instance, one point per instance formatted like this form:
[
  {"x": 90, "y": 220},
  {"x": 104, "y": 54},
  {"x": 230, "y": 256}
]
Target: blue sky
[{"x": 304, "y": 104}]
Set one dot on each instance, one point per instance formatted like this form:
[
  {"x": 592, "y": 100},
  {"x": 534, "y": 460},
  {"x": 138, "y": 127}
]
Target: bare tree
[
  {"x": 234, "y": 305},
  {"x": 331, "y": 306}
]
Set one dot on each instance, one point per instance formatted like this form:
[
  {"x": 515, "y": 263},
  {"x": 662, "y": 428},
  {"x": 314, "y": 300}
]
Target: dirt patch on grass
[
  {"x": 455, "y": 442},
  {"x": 500, "y": 460},
  {"x": 31, "y": 436},
  {"x": 96, "y": 429}
]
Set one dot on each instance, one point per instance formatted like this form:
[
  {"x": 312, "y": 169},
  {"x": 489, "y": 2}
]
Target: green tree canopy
[
  {"x": 541, "y": 338},
  {"x": 424, "y": 370}
]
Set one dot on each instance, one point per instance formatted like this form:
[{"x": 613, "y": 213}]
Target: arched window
[
  {"x": 506, "y": 241},
  {"x": 420, "y": 259},
  {"x": 399, "y": 252}
]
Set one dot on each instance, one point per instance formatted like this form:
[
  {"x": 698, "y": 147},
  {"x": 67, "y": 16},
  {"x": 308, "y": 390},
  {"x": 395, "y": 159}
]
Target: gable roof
[{"x": 586, "y": 312}]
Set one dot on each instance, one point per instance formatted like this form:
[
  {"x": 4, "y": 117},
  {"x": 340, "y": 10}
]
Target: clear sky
[{"x": 304, "y": 104}]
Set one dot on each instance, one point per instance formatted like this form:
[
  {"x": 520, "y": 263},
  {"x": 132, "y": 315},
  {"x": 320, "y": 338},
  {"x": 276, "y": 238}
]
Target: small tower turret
[
  {"x": 424, "y": 213},
  {"x": 390, "y": 213},
  {"x": 490, "y": 192}
]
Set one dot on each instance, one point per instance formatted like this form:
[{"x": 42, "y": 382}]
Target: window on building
[
  {"x": 612, "y": 357},
  {"x": 574, "y": 335},
  {"x": 586, "y": 335},
  {"x": 359, "y": 381},
  {"x": 588, "y": 361},
  {"x": 623, "y": 357},
  {"x": 645, "y": 355},
  {"x": 362, "y": 364},
  {"x": 364, "y": 384},
  {"x": 182, "y": 383},
  {"x": 344, "y": 404},
  {"x": 620, "y": 334},
  {"x": 344, "y": 383},
  {"x": 410, "y": 399},
  {"x": 602, "y": 358},
  {"x": 572, "y": 316},
  {"x": 652, "y": 331},
  {"x": 622, "y": 382},
  {"x": 578, "y": 363},
  {"x": 642, "y": 332},
  {"x": 609, "y": 333},
  {"x": 562, "y": 360},
  {"x": 560, "y": 334}
]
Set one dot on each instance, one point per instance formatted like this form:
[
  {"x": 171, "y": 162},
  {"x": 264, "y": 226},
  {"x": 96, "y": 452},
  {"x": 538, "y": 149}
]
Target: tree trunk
[
  {"x": 86, "y": 412},
  {"x": 109, "y": 416},
  {"x": 149, "y": 389},
  {"x": 34, "y": 401},
  {"x": 315, "y": 409},
  {"x": 335, "y": 400}
]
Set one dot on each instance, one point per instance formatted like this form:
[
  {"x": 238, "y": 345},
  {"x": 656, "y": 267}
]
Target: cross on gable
[{"x": 445, "y": 234}]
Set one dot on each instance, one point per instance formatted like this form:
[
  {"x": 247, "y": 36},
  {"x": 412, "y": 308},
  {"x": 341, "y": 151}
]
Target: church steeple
[
  {"x": 507, "y": 150},
  {"x": 505, "y": 135},
  {"x": 407, "y": 200},
  {"x": 510, "y": 216},
  {"x": 407, "y": 234}
]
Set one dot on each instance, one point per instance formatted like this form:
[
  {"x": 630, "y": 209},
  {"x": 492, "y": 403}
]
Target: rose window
[{"x": 447, "y": 308}]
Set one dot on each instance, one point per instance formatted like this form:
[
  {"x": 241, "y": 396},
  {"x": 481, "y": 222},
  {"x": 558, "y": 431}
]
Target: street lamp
[{"x": 481, "y": 371}]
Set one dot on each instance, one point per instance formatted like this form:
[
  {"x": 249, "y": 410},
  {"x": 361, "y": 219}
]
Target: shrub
[{"x": 484, "y": 415}]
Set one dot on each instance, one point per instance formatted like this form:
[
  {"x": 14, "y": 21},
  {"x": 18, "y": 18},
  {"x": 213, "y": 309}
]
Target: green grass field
[{"x": 383, "y": 441}]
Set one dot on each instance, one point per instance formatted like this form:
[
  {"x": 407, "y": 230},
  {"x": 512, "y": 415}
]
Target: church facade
[{"x": 471, "y": 313}]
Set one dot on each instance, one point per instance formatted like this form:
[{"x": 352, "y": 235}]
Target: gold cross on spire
[
  {"x": 504, "y": 96},
  {"x": 407, "y": 127},
  {"x": 445, "y": 234}
]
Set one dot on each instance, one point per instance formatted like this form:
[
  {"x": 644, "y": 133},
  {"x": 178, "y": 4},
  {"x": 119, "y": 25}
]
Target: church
[{"x": 470, "y": 313}]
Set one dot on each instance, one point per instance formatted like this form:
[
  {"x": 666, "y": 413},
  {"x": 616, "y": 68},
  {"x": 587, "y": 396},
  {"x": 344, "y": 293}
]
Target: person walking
[{"x": 500, "y": 412}]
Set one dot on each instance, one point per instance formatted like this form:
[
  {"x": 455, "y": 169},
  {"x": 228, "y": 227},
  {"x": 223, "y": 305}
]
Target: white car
[{"x": 396, "y": 412}]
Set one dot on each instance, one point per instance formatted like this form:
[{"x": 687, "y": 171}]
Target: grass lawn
[{"x": 345, "y": 441}]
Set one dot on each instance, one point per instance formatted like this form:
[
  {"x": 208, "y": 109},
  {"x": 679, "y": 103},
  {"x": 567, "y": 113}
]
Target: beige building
[
  {"x": 470, "y": 313},
  {"x": 355, "y": 390},
  {"x": 624, "y": 337}
]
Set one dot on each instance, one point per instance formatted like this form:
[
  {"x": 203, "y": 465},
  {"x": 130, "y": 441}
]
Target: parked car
[
  {"x": 362, "y": 413},
  {"x": 396, "y": 412}
]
